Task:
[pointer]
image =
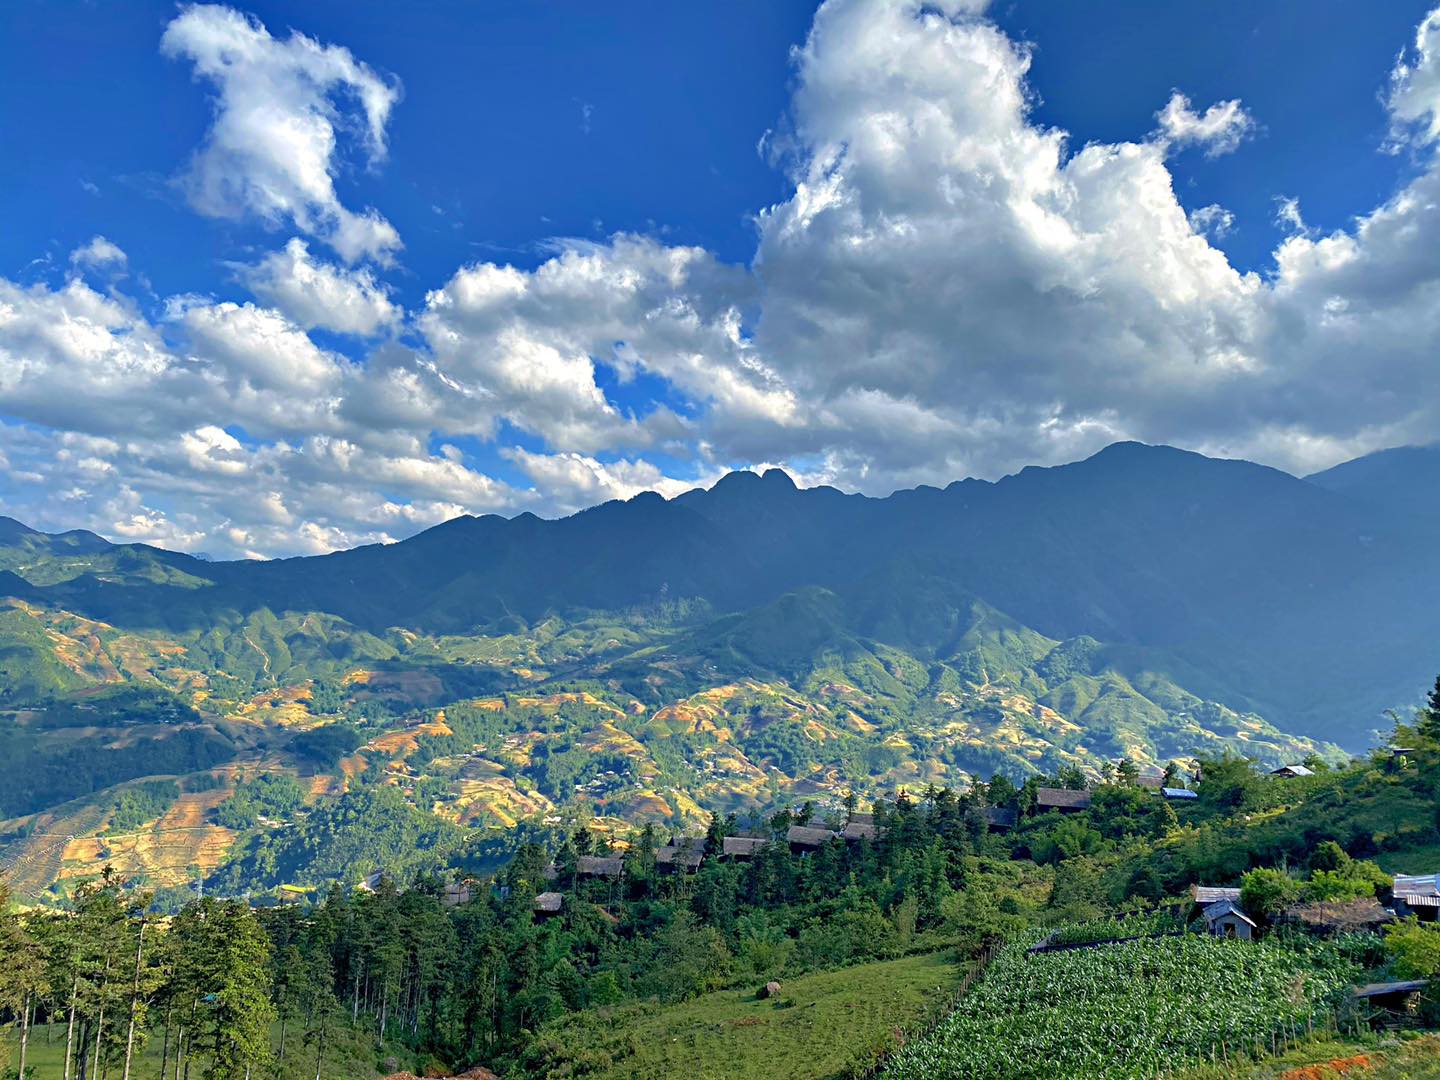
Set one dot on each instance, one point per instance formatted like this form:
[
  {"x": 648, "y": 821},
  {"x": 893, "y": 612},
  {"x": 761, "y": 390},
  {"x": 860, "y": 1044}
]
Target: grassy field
[
  {"x": 351, "y": 1055},
  {"x": 824, "y": 1026}
]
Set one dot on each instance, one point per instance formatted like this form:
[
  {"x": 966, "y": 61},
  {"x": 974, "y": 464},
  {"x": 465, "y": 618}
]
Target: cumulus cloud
[
  {"x": 99, "y": 252},
  {"x": 950, "y": 288},
  {"x": 281, "y": 108},
  {"x": 1415, "y": 85},
  {"x": 319, "y": 295},
  {"x": 1219, "y": 129}
]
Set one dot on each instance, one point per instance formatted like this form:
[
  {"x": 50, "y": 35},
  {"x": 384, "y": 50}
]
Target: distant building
[
  {"x": 686, "y": 854},
  {"x": 549, "y": 903},
  {"x": 1392, "y": 997},
  {"x": 1292, "y": 770},
  {"x": 1224, "y": 918},
  {"x": 1066, "y": 800},
  {"x": 1000, "y": 818},
  {"x": 599, "y": 866},
  {"x": 1178, "y": 794},
  {"x": 1417, "y": 895},
  {"x": 741, "y": 848},
  {"x": 1207, "y": 894},
  {"x": 455, "y": 894},
  {"x": 861, "y": 830},
  {"x": 802, "y": 838}
]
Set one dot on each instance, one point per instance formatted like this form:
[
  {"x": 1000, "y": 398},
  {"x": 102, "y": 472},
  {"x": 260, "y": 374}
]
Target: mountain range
[{"x": 744, "y": 644}]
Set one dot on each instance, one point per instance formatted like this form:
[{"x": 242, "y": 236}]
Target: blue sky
[{"x": 567, "y": 252}]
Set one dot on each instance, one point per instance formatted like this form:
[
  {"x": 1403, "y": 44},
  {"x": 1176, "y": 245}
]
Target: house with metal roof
[
  {"x": 1292, "y": 770},
  {"x": 549, "y": 903},
  {"x": 1225, "y": 918},
  {"x": 1402, "y": 997},
  {"x": 1066, "y": 800},
  {"x": 1208, "y": 894},
  {"x": 1178, "y": 794}
]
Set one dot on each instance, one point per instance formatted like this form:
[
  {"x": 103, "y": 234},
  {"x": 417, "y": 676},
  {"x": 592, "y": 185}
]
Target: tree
[
  {"x": 1265, "y": 892},
  {"x": 22, "y": 974},
  {"x": 227, "y": 968}
]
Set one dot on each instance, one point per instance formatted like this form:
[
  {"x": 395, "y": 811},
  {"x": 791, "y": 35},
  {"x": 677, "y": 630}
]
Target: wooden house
[
  {"x": 599, "y": 866},
  {"x": 803, "y": 838},
  {"x": 1066, "y": 800},
  {"x": 1000, "y": 818},
  {"x": 861, "y": 830},
  {"x": 741, "y": 848},
  {"x": 1225, "y": 918},
  {"x": 1399, "y": 999},
  {"x": 549, "y": 903},
  {"x": 685, "y": 853},
  {"x": 455, "y": 894}
]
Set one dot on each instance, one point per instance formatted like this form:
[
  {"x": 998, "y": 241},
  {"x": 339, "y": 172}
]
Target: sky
[{"x": 280, "y": 279}]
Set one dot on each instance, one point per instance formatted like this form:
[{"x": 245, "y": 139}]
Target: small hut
[
  {"x": 861, "y": 830},
  {"x": 1292, "y": 771},
  {"x": 1224, "y": 918},
  {"x": 1209, "y": 894},
  {"x": 741, "y": 848},
  {"x": 1066, "y": 800},
  {"x": 455, "y": 894},
  {"x": 599, "y": 866},
  {"x": 685, "y": 854},
  {"x": 549, "y": 903},
  {"x": 1395, "y": 1000},
  {"x": 1000, "y": 819},
  {"x": 803, "y": 838}
]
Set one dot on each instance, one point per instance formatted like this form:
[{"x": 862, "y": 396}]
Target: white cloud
[
  {"x": 316, "y": 294},
  {"x": 949, "y": 289},
  {"x": 1219, "y": 129},
  {"x": 281, "y": 108},
  {"x": 1415, "y": 85},
  {"x": 99, "y": 252}
]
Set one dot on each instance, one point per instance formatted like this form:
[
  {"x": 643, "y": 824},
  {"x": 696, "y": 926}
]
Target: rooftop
[
  {"x": 805, "y": 836},
  {"x": 1062, "y": 798},
  {"x": 599, "y": 866}
]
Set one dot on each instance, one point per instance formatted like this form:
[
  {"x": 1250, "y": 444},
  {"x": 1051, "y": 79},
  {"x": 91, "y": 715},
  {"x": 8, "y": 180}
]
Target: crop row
[{"x": 1126, "y": 1011}]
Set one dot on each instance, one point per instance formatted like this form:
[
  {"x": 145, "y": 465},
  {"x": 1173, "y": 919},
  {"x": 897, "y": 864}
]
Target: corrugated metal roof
[
  {"x": 1407, "y": 986},
  {"x": 1418, "y": 900},
  {"x": 549, "y": 902},
  {"x": 1207, "y": 894},
  {"x": 1425, "y": 884},
  {"x": 1178, "y": 793},
  {"x": 1221, "y": 908}
]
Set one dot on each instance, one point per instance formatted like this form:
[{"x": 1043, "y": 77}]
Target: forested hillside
[{"x": 557, "y": 965}]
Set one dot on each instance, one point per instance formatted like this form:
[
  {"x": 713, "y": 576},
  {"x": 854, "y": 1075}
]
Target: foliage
[
  {"x": 270, "y": 795},
  {"x": 144, "y": 802},
  {"x": 1123, "y": 1011},
  {"x": 1414, "y": 949}
]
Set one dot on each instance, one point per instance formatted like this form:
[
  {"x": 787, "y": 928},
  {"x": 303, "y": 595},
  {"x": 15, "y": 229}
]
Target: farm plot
[{"x": 1127, "y": 1011}]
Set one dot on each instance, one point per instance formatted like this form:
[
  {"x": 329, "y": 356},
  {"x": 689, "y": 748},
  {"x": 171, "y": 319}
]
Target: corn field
[{"x": 1133, "y": 1010}]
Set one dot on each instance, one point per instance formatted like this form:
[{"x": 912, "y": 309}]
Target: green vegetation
[
  {"x": 1126, "y": 1011},
  {"x": 818, "y": 1027},
  {"x": 141, "y": 803},
  {"x": 273, "y": 796}
]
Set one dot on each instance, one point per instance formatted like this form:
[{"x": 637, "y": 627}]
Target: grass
[
  {"x": 1370, "y": 1058},
  {"x": 351, "y": 1055},
  {"x": 831, "y": 1025}
]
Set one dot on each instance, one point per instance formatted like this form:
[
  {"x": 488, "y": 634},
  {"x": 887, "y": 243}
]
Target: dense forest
[{"x": 452, "y": 970}]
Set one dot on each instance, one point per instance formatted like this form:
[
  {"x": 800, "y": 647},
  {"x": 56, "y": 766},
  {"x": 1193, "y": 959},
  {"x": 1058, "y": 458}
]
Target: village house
[
  {"x": 1000, "y": 818},
  {"x": 1225, "y": 918},
  {"x": 1291, "y": 770},
  {"x": 1398, "y": 1000},
  {"x": 803, "y": 838},
  {"x": 599, "y": 866},
  {"x": 1178, "y": 794},
  {"x": 1417, "y": 895},
  {"x": 741, "y": 848},
  {"x": 1209, "y": 894},
  {"x": 1066, "y": 800},
  {"x": 684, "y": 853},
  {"x": 861, "y": 830},
  {"x": 455, "y": 894},
  {"x": 549, "y": 903}
]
